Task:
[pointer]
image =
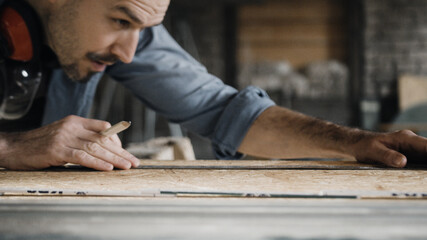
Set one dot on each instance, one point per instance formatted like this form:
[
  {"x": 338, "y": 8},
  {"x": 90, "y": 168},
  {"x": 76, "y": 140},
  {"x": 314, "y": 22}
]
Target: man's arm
[
  {"x": 282, "y": 133},
  {"x": 70, "y": 140}
]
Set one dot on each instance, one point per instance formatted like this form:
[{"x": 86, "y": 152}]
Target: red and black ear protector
[
  {"x": 20, "y": 32},
  {"x": 20, "y": 65}
]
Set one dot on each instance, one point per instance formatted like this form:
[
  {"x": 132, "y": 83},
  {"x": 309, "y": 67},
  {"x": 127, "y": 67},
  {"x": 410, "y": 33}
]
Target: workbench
[{"x": 209, "y": 199}]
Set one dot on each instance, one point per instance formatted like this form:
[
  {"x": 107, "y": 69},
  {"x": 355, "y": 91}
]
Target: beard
[
  {"x": 64, "y": 41},
  {"x": 73, "y": 73},
  {"x": 72, "y": 70}
]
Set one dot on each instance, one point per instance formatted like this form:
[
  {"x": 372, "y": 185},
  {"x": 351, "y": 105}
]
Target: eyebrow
[{"x": 129, "y": 13}]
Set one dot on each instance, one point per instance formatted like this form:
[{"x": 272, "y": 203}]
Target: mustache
[{"x": 107, "y": 58}]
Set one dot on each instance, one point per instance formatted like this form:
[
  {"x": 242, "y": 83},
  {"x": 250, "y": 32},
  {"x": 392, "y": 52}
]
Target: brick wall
[
  {"x": 395, "y": 43},
  {"x": 199, "y": 29}
]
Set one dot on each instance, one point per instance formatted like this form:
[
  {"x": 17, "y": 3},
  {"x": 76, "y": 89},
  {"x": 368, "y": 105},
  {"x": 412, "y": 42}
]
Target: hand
[
  {"x": 391, "y": 149},
  {"x": 70, "y": 140}
]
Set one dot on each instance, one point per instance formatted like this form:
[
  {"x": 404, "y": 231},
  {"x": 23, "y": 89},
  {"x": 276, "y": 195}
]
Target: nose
[{"x": 125, "y": 46}]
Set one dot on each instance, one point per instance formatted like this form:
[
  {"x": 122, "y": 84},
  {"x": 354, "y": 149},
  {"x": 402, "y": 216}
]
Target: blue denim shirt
[{"x": 168, "y": 80}]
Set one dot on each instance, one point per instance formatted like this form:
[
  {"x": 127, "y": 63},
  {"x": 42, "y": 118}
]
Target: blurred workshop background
[{"x": 358, "y": 63}]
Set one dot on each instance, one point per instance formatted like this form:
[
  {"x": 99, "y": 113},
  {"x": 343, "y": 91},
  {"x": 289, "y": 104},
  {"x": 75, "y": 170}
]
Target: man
[{"x": 123, "y": 38}]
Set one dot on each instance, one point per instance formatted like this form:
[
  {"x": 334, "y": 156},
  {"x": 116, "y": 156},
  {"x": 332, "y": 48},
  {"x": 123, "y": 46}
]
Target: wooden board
[
  {"x": 412, "y": 91},
  {"x": 298, "y": 31},
  {"x": 303, "y": 9},
  {"x": 301, "y": 164},
  {"x": 286, "y": 181}
]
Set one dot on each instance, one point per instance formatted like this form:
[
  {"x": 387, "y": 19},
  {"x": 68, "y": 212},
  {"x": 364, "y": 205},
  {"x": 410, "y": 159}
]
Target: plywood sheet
[{"x": 267, "y": 180}]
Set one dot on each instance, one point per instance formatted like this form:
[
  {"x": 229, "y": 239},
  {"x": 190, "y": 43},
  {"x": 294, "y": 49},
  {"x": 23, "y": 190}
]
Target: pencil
[{"x": 116, "y": 128}]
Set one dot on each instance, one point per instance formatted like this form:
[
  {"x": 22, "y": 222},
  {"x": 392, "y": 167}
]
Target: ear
[{"x": 21, "y": 29}]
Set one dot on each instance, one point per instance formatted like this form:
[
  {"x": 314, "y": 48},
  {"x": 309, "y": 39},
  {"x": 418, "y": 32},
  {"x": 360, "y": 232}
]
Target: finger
[
  {"x": 115, "y": 138},
  {"x": 95, "y": 125},
  {"x": 118, "y": 150},
  {"x": 78, "y": 156},
  {"x": 92, "y": 136},
  {"x": 386, "y": 156},
  {"x": 106, "y": 155},
  {"x": 112, "y": 144},
  {"x": 410, "y": 142}
]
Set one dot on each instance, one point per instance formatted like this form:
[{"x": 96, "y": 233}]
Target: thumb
[{"x": 386, "y": 156}]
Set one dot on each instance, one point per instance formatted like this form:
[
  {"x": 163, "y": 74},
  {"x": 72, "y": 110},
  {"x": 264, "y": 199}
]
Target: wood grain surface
[
  {"x": 228, "y": 180},
  {"x": 300, "y": 31}
]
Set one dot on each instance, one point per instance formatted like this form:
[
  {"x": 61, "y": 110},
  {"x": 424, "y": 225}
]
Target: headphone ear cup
[{"x": 15, "y": 32}]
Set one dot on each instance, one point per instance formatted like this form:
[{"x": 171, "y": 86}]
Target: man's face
[{"x": 88, "y": 35}]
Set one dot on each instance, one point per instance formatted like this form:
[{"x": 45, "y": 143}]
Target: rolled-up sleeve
[{"x": 168, "y": 80}]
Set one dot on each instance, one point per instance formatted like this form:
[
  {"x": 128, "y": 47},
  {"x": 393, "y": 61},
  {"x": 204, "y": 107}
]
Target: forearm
[
  {"x": 282, "y": 133},
  {"x": 4, "y": 148},
  {"x": 12, "y": 144}
]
